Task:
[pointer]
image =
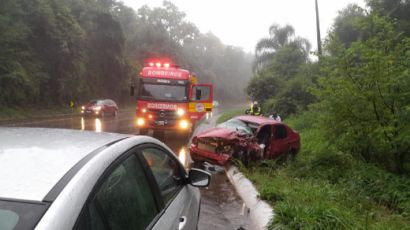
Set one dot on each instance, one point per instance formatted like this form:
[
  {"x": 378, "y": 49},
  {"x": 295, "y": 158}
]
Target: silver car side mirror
[{"x": 199, "y": 178}]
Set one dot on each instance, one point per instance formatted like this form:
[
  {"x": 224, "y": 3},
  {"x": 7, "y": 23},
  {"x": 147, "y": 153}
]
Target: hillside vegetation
[
  {"x": 352, "y": 109},
  {"x": 55, "y": 51}
]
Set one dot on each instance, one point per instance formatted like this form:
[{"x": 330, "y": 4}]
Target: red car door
[
  {"x": 280, "y": 141},
  {"x": 111, "y": 105}
]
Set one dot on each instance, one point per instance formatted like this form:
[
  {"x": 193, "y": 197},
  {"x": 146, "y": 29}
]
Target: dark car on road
[
  {"x": 100, "y": 107},
  {"x": 246, "y": 138},
  {"x": 67, "y": 179}
]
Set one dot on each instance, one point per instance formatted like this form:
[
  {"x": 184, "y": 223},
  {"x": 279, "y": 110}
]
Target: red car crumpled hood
[{"x": 219, "y": 133}]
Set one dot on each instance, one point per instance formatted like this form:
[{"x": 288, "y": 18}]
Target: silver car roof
[{"x": 33, "y": 160}]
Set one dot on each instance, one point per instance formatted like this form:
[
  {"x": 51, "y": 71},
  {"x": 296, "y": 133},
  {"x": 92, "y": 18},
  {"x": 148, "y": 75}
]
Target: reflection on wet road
[
  {"x": 221, "y": 207},
  {"x": 123, "y": 123}
]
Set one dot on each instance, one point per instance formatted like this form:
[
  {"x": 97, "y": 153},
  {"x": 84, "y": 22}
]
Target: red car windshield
[
  {"x": 95, "y": 102},
  {"x": 236, "y": 125}
]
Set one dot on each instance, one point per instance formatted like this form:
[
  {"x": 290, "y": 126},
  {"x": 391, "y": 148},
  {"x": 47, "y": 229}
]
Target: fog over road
[{"x": 221, "y": 207}]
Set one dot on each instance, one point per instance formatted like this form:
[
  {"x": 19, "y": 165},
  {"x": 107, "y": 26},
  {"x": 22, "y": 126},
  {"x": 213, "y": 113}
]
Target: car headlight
[
  {"x": 183, "y": 124},
  {"x": 140, "y": 121},
  {"x": 82, "y": 107},
  {"x": 180, "y": 112}
]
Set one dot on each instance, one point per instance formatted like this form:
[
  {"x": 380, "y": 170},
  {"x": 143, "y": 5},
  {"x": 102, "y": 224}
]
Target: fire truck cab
[{"x": 169, "y": 98}]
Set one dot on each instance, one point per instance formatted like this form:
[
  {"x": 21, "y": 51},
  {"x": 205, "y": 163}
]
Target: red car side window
[{"x": 280, "y": 132}]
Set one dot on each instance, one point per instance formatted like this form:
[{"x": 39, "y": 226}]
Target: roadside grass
[
  {"x": 230, "y": 114},
  {"x": 324, "y": 188},
  {"x": 311, "y": 203}
]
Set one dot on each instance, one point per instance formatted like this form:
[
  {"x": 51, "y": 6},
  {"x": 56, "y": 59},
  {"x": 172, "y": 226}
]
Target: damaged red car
[{"x": 246, "y": 138}]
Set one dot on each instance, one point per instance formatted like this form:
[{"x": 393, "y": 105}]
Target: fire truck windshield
[{"x": 159, "y": 92}]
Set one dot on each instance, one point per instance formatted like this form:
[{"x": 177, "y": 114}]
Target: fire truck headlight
[
  {"x": 144, "y": 110},
  {"x": 180, "y": 112},
  {"x": 140, "y": 121},
  {"x": 183, "y": 124}
]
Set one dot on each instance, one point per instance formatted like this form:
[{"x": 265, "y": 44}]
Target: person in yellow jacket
[{"x": 255, "y": 109}]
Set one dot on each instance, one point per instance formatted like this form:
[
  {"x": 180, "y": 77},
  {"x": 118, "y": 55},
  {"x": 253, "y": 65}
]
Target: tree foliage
[
  {"x": 345, "y": 27},
  {"x": 364, "y": 95},
  {"x": 279, "y": 38},
  {"x": 282, "y": 75},
  {"x": 395, "y": 10},
  {"x": 359, "y": 88},
  {"x": 54, "y": 51}
]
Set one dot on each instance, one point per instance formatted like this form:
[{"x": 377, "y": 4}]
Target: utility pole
[{"x": 319, "y": 40}]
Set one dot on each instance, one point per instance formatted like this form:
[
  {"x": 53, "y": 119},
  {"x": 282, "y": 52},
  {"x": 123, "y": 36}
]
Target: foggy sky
[{"x": 243, "y": 22}]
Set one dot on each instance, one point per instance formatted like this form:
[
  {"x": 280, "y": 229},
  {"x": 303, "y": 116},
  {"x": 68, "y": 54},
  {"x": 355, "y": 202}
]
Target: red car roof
[{"x": 257, "y": 119}]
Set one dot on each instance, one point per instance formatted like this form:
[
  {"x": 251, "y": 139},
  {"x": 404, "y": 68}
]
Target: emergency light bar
[{"x": 159, "y": 64}]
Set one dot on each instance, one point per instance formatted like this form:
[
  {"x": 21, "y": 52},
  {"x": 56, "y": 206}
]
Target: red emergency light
[{"x": 159, "y": 64}]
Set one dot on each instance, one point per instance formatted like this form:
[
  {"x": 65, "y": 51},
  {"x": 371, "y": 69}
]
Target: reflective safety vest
[{"x": 256, "y": 111}]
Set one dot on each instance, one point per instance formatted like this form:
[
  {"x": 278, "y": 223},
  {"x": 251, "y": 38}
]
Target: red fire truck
[{"x": 169, "y": 98}]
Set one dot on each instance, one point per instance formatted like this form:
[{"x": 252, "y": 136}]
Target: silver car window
[
  {"x": 20, "y": 214},
  {"x": 8, "y": 219},
  {"x": 166, "y": 171},
  {"x": 124, "y": 201}
]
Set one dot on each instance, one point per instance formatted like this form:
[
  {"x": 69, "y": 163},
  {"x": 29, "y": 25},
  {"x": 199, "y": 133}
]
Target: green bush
[{"x": 384, "y": 188}]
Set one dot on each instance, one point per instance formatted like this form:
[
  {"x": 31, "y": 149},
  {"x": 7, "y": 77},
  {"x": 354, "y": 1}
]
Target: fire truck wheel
[{"x": 143, "y": 131}]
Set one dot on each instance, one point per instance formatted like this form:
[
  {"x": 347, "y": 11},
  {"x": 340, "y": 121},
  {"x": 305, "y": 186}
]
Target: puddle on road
[{"x": 221, "y": 207}]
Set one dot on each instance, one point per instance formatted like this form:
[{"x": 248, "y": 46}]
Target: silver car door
[{"x": 181, "y": 201}]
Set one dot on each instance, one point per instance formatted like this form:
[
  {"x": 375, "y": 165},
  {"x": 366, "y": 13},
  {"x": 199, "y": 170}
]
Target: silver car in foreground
[{"x": 67, "y": 179}]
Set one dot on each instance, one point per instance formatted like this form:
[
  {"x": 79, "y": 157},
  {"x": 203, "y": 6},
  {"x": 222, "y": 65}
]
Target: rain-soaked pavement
[{"x": 221, "y": 207}]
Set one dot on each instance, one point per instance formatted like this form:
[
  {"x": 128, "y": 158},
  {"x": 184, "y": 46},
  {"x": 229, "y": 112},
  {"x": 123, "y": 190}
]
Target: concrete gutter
[{"x": 260, "y": 212}]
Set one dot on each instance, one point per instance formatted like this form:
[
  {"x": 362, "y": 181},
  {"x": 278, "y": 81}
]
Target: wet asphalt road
[{"x": 221, "y": 207}]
